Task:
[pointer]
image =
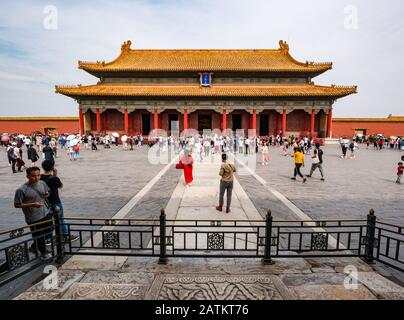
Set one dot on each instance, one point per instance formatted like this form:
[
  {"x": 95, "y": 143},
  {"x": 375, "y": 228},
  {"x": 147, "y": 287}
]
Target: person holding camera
[{"x": 54, "y": 183}]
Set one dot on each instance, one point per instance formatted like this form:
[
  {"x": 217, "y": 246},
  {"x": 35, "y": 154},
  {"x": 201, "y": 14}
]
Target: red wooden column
[
  {"x": 81, "y": 121},
  {"x": 185, "y": 119},
  {"x": 156, "y": 119},
  {"x": 254, "y": 120},
  {"x": 313, "y": 116},
  {"x": 329, "y": 123},
  {"x": 278, "y": 123},
  {"x": 224, "y": 122},
  {"x": 126, "y": 121},
  {"x": 98, "y": 119},
  {"x": 130, "y": 123},
  {"x": 284, "y": 123}
]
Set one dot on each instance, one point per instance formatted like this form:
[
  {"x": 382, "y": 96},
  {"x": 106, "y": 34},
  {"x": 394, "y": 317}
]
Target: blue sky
[{"x": 33, "y": 58}]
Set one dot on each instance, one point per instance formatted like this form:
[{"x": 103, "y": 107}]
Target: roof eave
[{"x": 102, "y": 73}]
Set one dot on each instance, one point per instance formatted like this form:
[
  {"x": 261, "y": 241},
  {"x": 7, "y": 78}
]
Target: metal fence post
[
  {"x": 59, "y": 237},
  {"x": 268, "y": 237},
  {"x": 163, "y": 258},
  {"x": 370, "y": 236}
]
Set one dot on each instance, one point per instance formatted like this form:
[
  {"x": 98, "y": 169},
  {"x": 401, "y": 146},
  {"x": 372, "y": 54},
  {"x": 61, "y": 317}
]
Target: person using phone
[{"x": 30, "y": 197}]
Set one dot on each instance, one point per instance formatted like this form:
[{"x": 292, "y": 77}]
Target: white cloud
[{"x": 33, "y": 60}]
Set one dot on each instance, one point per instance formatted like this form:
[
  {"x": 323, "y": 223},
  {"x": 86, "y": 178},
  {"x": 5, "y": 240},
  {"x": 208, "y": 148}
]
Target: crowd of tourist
[
  {"x": 39, "y": 196},
  {"x": 49, "y": 147}
]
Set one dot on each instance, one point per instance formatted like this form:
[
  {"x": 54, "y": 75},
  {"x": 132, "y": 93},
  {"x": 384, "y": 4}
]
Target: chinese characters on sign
[{"x": 205, "y": 79}]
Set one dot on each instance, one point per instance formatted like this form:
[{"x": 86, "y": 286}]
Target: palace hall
[{"x": 266, "y": 90}]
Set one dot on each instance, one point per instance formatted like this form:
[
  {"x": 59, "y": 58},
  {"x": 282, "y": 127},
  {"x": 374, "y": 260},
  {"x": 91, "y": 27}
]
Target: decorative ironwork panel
[
  {"x": 319, "y": 241},
  {"x": 274, "y": 241},
  {"x": 156, "y": 240},
  {"x": 111, "y": 240},
  {"x": 215, "y": 241},
  {"x": 17, "y": 256},
  {"x": 17, "y": 233}
]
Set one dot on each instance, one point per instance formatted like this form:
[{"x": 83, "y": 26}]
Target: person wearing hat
[{"x": 227, "y": 171}]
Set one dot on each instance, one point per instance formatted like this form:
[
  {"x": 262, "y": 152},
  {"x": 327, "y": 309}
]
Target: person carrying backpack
[
  {"x": 317, "y": 159},
  {"x": 12, "y": 159}
]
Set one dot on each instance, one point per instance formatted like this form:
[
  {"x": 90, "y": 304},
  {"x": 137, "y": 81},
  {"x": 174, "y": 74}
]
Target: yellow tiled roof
[
  {"x": 399, "y": 118},
  {"x": 136, "y": 90},
  {"x": 275, "y": 60}
]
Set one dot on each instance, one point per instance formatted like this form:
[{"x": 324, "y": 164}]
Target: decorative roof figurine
[
  {"x": 283, "y": 46},
  {"x": 126, "y": 46}
]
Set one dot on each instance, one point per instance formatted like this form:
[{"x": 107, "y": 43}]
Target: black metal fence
[{"x": 162, "y": 238}]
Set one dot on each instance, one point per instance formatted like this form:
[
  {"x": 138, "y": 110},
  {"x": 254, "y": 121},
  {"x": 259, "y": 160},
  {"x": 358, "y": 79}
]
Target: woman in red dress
[{"x": 187, "y": 160}]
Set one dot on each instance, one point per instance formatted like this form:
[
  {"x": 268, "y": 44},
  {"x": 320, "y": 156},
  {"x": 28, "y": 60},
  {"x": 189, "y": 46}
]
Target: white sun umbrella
[
  {"x": 73, "y": 142},
  {"x": 21, "y": 136},
  {"x": 115, "y": 134},
  {"x": 124, "y": 138},
  {"x": 71, "y": 137}
]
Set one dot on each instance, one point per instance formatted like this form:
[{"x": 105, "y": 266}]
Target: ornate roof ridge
[
  {"x": 127, "y": 60},
  {"x": 68, "y": 86},
  {"x": 312, "y": 63},
  {"x": 344, "y": 87}
]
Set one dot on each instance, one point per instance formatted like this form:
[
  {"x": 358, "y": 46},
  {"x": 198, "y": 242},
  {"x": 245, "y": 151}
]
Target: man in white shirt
[
  {"x": 18, "y": 158},
  {"x": 240, "y": 145},
  {"x": 27, "y": 142}
]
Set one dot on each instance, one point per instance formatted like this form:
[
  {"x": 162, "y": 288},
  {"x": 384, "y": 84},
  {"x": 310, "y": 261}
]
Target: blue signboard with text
[{"x": 205, "y": 79}]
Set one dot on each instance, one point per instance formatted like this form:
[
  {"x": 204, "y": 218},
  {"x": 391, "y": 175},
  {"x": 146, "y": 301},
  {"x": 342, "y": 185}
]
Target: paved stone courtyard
[
  {"x": 352, "y": 186},
  {"x": 100, "y": 183},
  {"x": 89, "y": 278},
  {"x": 116, "y": 183}
]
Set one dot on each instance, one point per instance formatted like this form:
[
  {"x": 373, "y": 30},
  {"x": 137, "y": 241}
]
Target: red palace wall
[
  {"x": 29, "y": 125},
  {"x": 387, "y": 128},
  {"x": 296, "y": 121}
]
